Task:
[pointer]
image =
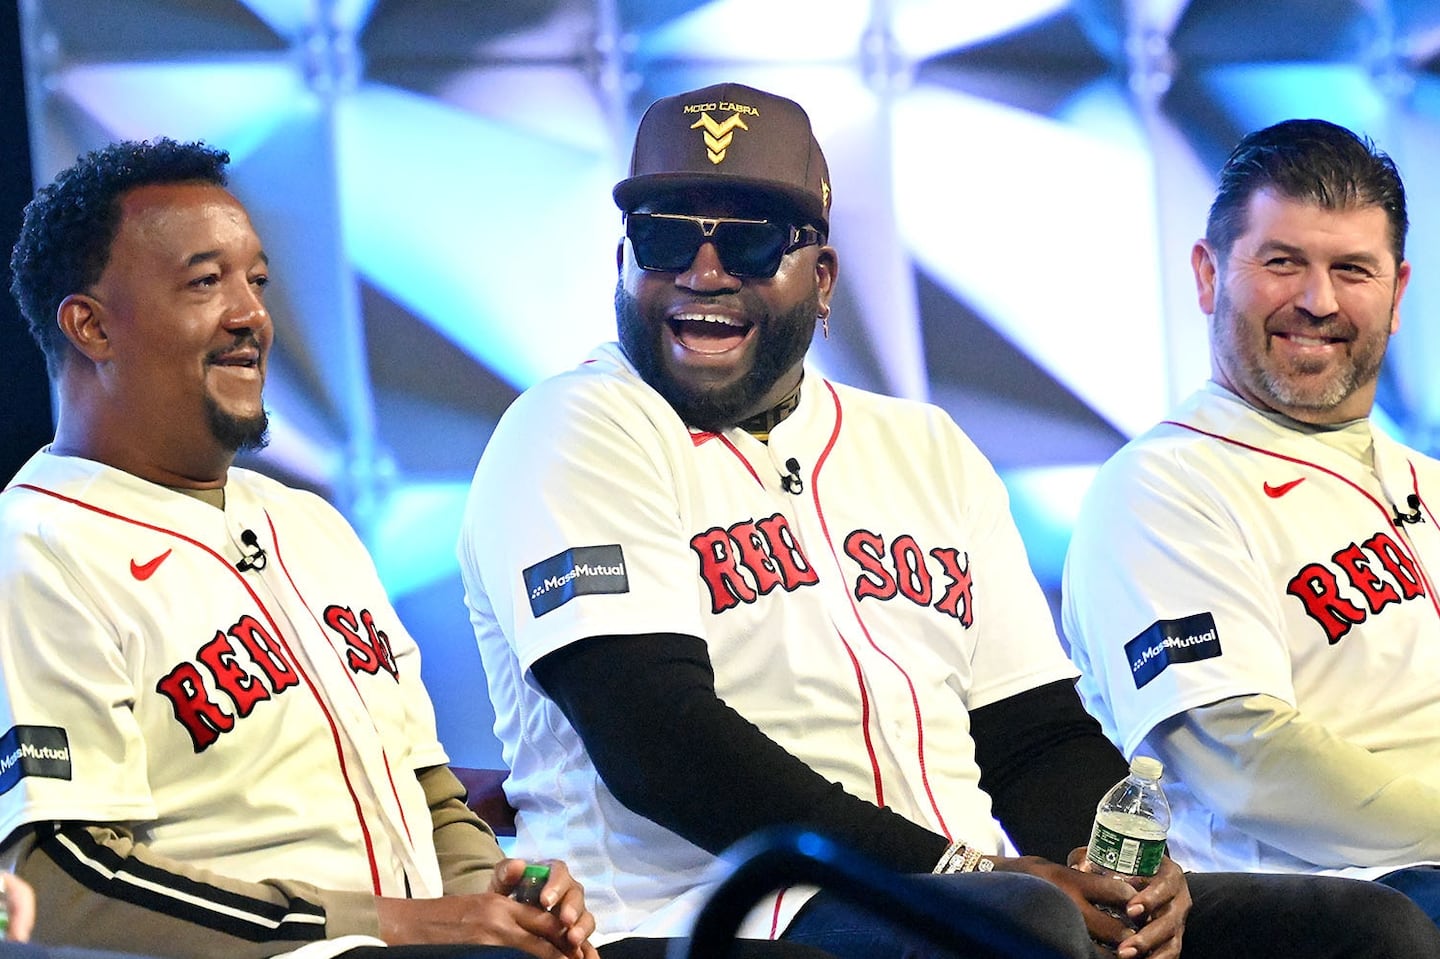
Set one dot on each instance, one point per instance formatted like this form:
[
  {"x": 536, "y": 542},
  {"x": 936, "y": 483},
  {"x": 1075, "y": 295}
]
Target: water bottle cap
[{"x": 1147, "y": 767}]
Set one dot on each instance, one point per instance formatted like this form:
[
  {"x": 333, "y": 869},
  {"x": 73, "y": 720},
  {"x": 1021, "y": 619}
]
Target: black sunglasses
[{"x": 668, "y": 242}]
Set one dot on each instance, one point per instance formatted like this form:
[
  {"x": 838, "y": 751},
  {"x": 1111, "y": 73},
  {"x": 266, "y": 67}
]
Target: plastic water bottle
[{"x": 1130, "y": 824}]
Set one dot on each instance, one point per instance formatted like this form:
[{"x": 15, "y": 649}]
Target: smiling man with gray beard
[{"x": 1273, "y": 519}]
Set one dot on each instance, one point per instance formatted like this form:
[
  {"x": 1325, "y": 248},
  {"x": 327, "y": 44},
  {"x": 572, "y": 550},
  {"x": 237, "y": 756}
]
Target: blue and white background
[{"x": 1017, "y": 186}]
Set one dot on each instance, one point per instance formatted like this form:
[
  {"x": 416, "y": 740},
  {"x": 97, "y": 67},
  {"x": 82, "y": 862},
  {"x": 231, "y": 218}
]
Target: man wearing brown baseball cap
[
  {"x": 716, "y": 592},
  {"x": 734, "y": 145}
]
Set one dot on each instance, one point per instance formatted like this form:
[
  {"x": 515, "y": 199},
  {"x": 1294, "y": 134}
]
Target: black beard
[
  {"x": 783, "y": 343},
  {"x": 235, "y": 434}
]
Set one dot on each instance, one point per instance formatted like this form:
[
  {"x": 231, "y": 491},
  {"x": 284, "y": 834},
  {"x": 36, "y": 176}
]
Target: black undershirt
[
  {"x": 1045, "y": 763},
  {"x": 670, "y": 750}
]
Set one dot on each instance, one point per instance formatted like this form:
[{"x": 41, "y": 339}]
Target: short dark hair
[
  {"x": 71, "y": 223},
  {"x": 1311, "y": 160}
]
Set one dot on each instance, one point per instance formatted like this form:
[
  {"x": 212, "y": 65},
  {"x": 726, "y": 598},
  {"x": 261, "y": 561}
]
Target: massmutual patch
[
  {"x": 1169, "y": 641},
  {"x": 581, "y": 571},
  {"x": 33, "y": 751}
]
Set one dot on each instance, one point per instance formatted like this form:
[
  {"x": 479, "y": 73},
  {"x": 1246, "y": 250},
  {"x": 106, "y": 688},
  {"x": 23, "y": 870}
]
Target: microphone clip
[
  {"x": 791, "y": 482},
  {"x": 1413, "y": 516},
  {"x": 255, "y": 560}
]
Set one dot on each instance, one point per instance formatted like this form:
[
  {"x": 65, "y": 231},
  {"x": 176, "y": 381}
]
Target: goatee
[{"x": 238, "y": 434}]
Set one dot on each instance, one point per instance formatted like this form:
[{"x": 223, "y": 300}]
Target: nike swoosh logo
[
  {"x": 1275, "y": 492},
  {"x": 143, "y": 571}
]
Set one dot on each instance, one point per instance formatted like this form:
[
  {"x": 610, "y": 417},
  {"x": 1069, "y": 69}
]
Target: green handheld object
[{"x": 531, "y": 882}]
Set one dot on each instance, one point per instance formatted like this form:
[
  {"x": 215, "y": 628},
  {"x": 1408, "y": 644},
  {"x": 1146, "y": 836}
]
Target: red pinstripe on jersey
[
  {"x": 348, "y": 674},
  {"x": 815, "y": 486}
]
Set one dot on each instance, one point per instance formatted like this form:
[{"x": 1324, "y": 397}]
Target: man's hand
[
  {"x": 563, "y": 897},
  {"x": 1158, "y": 908},
  {"x": 559, "y": 930},
  {"x": 20, "y": 905}
]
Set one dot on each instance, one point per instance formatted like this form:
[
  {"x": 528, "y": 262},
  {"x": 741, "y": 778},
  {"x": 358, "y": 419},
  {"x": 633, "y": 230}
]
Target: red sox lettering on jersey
[
  {"x": 753, "y": 557},
  {"x": 765, "y": 549},
  {"x": 245, "y": 665},
  {"x": 1319, "y": 588},
  {"x": 902, "y": 570},
  {"x": 365, "y": 654}
]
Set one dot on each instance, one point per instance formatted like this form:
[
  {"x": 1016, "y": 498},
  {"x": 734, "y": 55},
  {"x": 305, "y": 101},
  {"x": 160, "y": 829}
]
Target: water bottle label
[{"x": 1116, "y": 851}]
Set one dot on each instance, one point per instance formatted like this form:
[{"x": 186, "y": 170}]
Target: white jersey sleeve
[
  {"x": 1267, "y": 771},
  {"x": 63, "y": 660},
  {"x": 1155, "y": 563},
  {"x": 604, "y": 523}
]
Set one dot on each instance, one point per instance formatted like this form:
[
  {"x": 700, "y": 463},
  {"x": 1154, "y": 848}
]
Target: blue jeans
[
  {"x": 1021, "y": 902},
  {"x": 1234, "y": 916},
  {"x": 1420, "y": 883}
]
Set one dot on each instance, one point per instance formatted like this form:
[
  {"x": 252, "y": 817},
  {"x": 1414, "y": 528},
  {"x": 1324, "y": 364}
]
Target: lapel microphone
[
  {"x": 255, "y": 560},
  {"x": 1412, "y": 517},
  {"x": 791, "y": 482}
]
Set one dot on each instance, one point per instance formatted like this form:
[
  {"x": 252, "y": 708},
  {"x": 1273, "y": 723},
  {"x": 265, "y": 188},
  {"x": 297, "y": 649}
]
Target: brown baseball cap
[{"x": 728, "y": 134}]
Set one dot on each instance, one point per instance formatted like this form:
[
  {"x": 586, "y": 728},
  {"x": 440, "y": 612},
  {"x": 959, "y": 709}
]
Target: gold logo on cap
[{"x": 718, "y": 135}]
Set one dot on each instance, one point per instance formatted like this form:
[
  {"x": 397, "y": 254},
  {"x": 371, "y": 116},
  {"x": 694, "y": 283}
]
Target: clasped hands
[
  {"x": 1155, "y": 907},
  {"x": 559, "y": 929}
]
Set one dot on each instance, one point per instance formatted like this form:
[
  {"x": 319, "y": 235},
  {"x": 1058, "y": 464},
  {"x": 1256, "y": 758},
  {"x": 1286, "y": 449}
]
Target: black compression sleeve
[
  {"x": 672, "y": 751},
  {"x": 1045, "y": 763}
]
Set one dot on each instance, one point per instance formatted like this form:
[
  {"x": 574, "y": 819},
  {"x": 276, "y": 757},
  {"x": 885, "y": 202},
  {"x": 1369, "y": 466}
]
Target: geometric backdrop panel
[{"x": 1017, "y": 186}]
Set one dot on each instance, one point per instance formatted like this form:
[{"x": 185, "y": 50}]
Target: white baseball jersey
[
  {"x": 1224, "y": 554},
  {"x": 260, "y": 724},
  {"x": 850, "y": 622}
]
